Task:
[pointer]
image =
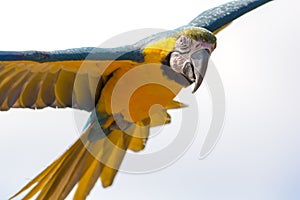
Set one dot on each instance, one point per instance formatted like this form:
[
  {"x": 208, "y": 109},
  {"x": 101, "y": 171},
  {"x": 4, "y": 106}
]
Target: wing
[
  {"x": 69, "y": 78},
  {"x": 216, "y": 18}
]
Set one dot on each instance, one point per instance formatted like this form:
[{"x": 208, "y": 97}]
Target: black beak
[{"x": 199, "y": 60}]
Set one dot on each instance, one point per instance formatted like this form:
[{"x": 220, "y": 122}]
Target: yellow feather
[
  {"x": 92, "y": 168},
  {"x": 41, "y": 179},
  {"x": 90, "y": 177},
  {"x": 49, "y": 188},
  {"x": 174, "y": 105},
  {"x": 116, "y": 148},
  {"x": 64, "y": 87},
  {"x": 140, "y": 134},
  {"x": 157, "y": 51}
]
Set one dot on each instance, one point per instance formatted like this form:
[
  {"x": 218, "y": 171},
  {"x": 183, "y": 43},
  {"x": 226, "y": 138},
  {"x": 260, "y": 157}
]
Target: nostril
[{"x": 208, "y": 51}]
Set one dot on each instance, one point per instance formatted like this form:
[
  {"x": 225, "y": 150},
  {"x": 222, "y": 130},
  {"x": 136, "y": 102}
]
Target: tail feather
[
  {"x": 42, "y": 179},
  {"x": 76, "y": 175},
  {"x": 62, "y": 176},
  {"x": 88, "y": 160},
  {"x": 89, "y": 179},
  {"x": 58, "y": 179},
  {"x": 120, "y": 142},
  {"x": 82, "y": 164},
  {"x": 88, "y": 164}
]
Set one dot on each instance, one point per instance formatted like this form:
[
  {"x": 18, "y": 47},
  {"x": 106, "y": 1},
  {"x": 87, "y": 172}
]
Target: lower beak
[{"x": 200, "y": 61}]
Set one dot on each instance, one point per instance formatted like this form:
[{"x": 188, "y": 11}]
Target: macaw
[{"x": 118, "y": 86}]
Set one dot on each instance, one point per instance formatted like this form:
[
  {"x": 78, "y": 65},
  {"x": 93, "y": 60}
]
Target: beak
[{"x": 199, "y": 60}]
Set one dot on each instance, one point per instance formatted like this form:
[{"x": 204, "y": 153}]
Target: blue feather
[{"x": 212, "y": 19}]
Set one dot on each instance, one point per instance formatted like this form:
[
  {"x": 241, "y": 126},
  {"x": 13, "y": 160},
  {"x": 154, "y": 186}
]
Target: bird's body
[{"x": 127, "y": 90}]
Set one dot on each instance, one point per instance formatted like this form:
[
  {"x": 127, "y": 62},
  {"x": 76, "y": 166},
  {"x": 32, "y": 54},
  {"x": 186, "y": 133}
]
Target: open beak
[{"x": 199, "y": 61}]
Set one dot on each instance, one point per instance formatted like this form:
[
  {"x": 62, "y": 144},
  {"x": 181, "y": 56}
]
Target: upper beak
[{"x": 199, "y": 60}]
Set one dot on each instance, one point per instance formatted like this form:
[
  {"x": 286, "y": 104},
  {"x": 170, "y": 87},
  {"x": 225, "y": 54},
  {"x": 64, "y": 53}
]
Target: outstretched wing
[
  {"x": 214, "y": 19},
  {"x": 218, "y": 17},
  {"x": 68, "y": 78}
]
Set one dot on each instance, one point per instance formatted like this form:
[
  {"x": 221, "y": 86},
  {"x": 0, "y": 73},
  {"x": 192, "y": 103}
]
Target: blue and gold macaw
[{"x": 119, "y": 86}]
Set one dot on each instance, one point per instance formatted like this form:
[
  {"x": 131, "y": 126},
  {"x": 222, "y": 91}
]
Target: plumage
[{"x": 118, "y": 86}]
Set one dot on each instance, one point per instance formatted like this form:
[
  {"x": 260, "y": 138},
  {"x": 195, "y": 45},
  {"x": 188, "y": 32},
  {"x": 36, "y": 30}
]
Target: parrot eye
[{"x": 183, "y": 44}]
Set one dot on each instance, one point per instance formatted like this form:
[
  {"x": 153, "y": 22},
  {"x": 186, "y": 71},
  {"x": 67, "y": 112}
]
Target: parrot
[{"x": 119, "y": 87}]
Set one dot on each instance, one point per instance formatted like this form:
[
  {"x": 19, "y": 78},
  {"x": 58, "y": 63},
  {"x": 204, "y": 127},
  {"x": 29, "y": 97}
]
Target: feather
[
  {"x": 41, "y": 180},
  {"x": 64, "y": 87},
  {"x": 47, "y": 94},
  {"x": 16, "y": 89},
  {"x": 6, "y": 84},
  {"x": 83, "y": 164}
]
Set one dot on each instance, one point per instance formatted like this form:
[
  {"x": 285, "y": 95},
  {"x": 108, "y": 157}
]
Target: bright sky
[{"x": 257, "y": 59}]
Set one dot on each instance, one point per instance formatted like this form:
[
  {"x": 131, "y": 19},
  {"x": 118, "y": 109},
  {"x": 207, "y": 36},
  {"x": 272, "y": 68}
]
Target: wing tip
[{"x": 219, "y": 16}]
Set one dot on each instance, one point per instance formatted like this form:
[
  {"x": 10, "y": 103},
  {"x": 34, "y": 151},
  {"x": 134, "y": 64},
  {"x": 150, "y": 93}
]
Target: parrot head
[
  {"x": 186, "y": 53},
  {"x": 192, "y": 49}
]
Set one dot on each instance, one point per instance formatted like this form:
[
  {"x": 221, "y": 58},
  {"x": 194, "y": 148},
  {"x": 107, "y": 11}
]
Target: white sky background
[{"x": 257, "y": 58}]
